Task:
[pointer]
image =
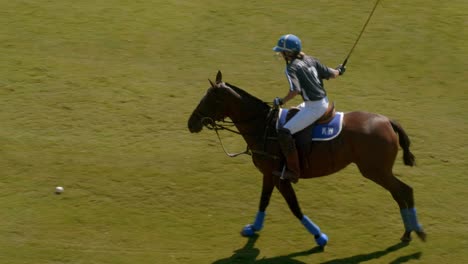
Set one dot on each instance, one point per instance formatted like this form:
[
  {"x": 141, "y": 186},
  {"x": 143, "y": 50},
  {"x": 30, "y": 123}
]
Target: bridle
[
  {"x": 226, "y": 125},
  {"x": 212, "y": 125}
]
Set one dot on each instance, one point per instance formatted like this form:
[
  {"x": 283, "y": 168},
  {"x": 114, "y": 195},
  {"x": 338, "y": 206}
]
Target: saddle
[
  {"x": 326, "y": 128},
  {"x": 325, "y": 118}
]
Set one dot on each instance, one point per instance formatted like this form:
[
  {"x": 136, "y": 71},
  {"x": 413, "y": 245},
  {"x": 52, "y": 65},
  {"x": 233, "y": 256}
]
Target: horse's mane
[{"x": 245, "y": 94}]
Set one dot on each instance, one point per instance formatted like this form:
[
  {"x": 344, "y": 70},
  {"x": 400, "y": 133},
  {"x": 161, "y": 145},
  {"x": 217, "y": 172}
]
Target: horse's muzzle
[{"x": 194, "y": 123}]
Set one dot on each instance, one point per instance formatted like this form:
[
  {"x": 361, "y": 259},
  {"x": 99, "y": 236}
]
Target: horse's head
[{"x": 212, "y": 107}]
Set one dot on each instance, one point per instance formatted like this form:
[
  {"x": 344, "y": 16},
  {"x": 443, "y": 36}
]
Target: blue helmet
[{"x": 288, "y": 42}]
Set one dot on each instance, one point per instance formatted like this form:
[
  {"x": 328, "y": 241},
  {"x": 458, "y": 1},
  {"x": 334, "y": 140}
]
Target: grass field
[{"x": 95, "y": 97}]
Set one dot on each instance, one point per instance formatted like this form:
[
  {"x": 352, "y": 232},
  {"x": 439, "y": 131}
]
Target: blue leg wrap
[
  {"x": 250, "y": 229},
  {"x": 259, "y": 218},
  {"x": 404, "y": 217},
  {"x": 311, "y": 226},
  {"x": 410, "y": 219},
  {"x": 320, "y": 237}
]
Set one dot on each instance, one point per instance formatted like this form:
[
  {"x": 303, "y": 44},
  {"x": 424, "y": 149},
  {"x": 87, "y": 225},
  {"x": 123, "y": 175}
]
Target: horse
[{"x": 369, "y": 140}]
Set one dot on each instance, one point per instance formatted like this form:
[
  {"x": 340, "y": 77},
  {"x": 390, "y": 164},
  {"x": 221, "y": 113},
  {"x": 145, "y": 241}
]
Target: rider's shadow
[{"x": 248, "y": 255}]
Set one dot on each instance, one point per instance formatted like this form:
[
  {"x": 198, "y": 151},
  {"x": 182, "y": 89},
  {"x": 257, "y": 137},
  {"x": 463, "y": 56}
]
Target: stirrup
[{"x": 287, "y": 175}]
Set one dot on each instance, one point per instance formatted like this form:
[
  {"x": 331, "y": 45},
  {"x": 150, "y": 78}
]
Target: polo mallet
[{"x": 360, "y": 34}]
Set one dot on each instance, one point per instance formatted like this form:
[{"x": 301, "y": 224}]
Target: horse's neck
[
  {"x": 248, "y": 113},
  {"x": 250, "y": 121}
]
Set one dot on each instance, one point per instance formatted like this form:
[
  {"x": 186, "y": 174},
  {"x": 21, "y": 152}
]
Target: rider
[{"x": 305, "y": 76}]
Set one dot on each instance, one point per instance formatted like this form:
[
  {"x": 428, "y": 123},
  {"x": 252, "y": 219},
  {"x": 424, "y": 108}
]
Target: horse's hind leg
[{"x": 403, "y": 195}]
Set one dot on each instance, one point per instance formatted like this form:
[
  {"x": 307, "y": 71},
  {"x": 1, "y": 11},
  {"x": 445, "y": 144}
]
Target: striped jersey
[{"x": 306, "y": 76}]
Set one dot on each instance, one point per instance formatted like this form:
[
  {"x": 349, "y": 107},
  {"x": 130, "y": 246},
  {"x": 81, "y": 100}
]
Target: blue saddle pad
[{"x": 321, "y": 132}]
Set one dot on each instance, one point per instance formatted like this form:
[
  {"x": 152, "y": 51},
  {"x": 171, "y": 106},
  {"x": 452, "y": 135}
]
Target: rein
[{"x": 213, "y": 125}]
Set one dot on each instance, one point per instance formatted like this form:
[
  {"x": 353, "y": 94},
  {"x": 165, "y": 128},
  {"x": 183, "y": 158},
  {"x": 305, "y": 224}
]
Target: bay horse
[{"x": 368, "y": 140}]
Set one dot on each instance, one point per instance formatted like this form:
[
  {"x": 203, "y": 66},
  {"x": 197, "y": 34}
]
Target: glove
[
  {"x": 277, "y": 102},
  {"x": 341, "y": 69}
]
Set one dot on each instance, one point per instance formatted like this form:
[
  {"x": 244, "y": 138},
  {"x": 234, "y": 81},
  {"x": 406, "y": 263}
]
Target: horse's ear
[
  {"x": 219, "y": 77},
  {"x": 212, "y": 84}
]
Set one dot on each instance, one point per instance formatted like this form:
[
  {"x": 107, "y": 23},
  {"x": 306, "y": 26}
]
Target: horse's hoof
[
  {"x": 422, "y": 235},
  {"x": 321, "y": 240},
  {"x": 248, "y": 231},
  {"x": 406, "y": 238}
]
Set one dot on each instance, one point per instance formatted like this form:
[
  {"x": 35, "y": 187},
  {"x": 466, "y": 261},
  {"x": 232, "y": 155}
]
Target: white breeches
[{"x": 309, "y": 112}]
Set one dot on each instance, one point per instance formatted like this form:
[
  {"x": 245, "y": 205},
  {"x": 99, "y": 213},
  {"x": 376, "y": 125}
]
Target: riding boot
[{"x": 288, "y": 147}]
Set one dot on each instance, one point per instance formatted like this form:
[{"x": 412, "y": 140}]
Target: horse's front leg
[
  {"x": 267, "y": 189},
  {"x": 289, "y": 195}
]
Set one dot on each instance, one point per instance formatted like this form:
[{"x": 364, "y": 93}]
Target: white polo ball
[{"x": 59, "y": 189}]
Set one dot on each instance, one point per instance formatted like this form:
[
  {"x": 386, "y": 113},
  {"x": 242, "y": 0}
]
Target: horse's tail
[{"x": 408, "y": 157}]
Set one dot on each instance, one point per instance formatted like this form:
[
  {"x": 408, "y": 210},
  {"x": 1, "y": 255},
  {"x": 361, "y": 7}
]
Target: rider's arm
[
  {"x": 334, "y": 73},
  {"x": 327, "y": 72},
  {"x": 291, "y": 94}
]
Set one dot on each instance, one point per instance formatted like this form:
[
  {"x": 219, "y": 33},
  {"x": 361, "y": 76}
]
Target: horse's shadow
[
  {"x": 248, "y": 255},
  {"x": 377, "y": 254}
]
